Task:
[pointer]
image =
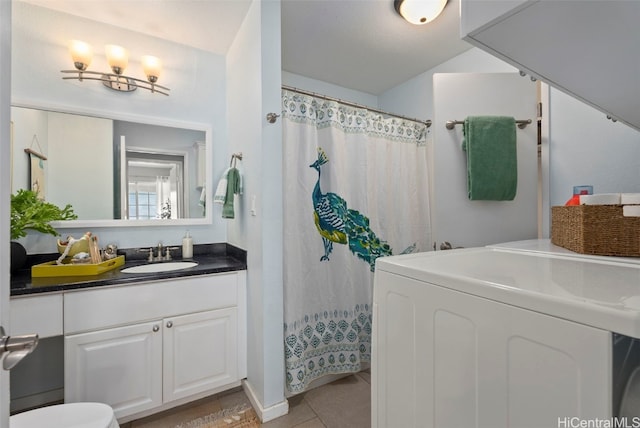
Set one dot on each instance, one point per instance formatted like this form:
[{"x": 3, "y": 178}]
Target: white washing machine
[{"x": 505, "y": 336}]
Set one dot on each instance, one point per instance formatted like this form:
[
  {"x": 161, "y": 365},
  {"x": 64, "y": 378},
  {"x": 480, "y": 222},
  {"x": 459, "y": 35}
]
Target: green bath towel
[
  {"x": 492, "y": 164},
  {"x": 233, "y": 188}
]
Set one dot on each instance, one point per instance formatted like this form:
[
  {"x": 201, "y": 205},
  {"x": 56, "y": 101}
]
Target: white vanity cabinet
[
  {"x": 147, "y": 347},
  {"x": 584, "y": 48}
]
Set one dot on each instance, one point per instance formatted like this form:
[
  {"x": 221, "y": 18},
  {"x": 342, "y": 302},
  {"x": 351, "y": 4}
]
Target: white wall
[
  {"x": 253, "y": 70},
  {"x": 23, "y": 137},
  {"x": 198, "y": 96},
  {"x": 75, "y": 172},
  {"x": 272, "y": 211},
  {"x": 84, "y": 185},
  {"x": 587, "y": 148},
  {"x": 329, "y": 89},
  {"x": 40, "y": 37},
  {"x": 414, "y": 98},
  {"x": 455, "y": 218}
]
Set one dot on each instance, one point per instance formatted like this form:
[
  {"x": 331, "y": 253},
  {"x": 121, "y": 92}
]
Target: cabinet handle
[
  {"x": 156, "y": 327},
  {"x": 169, "y": 324}
]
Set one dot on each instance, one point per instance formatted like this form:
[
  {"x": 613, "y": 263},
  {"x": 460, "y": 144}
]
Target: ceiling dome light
[{"x": 419, "y": 12}]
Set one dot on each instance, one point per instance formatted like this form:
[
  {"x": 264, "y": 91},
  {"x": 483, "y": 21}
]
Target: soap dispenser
[{"x": 187, "y": 246}]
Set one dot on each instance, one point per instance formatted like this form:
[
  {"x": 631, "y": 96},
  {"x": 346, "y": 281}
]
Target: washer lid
[{"x": 602, "y": 293}]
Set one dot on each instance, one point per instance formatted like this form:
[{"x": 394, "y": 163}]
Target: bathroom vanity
[
  {"x": 519, "y": 335},
  {"x": 143, "y": 343}
]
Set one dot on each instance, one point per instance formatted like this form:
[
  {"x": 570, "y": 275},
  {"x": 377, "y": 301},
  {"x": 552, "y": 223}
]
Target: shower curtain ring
[{"x": 272, "y": 117}]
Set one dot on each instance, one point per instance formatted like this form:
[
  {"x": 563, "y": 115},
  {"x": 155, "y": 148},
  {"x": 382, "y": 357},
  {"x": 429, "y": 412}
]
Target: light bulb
[
  {"x": 152, "y": 67},
  {"x": 80, "y": 53},
  {"x": 117, "y": 57}
]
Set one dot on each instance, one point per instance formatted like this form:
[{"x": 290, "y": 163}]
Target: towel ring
[{"x": 235, "y": 156}]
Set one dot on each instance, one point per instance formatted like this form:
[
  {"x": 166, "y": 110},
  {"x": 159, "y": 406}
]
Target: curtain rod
[{"x": 350, "y": 104}]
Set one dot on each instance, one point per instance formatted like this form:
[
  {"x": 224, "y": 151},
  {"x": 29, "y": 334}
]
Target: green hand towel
[
  {"x": 233, "y": 187},
  {"x": 492, "y": 164}
]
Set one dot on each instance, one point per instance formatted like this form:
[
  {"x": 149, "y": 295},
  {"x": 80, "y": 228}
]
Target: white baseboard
[{"x": 265, "y": 414}]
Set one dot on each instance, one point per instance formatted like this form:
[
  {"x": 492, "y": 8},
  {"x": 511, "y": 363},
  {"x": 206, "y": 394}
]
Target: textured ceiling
[{"x": 358, "y": 44}]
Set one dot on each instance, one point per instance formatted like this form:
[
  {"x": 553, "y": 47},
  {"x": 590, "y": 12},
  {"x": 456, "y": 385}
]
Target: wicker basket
[{"x": 595, "y": 229}]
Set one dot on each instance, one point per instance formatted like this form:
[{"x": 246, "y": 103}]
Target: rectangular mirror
[{"x": 113, "y": 171}]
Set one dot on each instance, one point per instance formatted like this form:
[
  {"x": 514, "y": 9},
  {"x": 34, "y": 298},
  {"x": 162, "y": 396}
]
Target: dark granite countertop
[{"x": 211, "y": 258}]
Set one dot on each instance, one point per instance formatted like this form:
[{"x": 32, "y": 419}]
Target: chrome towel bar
[{"x": 521, "y": 123}]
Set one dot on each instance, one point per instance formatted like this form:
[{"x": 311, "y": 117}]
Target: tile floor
[{"x": 345, "y": 403}]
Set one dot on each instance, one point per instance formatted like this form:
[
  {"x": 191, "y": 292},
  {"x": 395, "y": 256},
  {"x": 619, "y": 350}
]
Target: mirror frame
[{"x": 147, "y": 120}]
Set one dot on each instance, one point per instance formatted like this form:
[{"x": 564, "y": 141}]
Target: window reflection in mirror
[
  {"x": 154, "y": 186},
  {"x": 85, "y": 159}
]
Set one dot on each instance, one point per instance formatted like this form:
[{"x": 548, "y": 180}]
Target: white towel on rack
[{"x": 221, "y": 189}]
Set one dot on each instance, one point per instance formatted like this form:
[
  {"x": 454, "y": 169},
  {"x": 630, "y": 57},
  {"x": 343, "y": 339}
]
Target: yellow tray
[{"x": 68, "y": 269}]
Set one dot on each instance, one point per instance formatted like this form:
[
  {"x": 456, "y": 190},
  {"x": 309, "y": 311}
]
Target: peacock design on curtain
[{"x": 337, "y": 223}]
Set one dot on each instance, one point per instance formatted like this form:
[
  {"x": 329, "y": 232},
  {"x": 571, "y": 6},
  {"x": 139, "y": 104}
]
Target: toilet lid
[{"x": 71, "y": 415}]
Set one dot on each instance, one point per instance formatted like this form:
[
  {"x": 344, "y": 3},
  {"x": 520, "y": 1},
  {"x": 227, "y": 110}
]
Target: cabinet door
[
  {"x": 443, "y": 358},
  {"x": 200, "y": 352},
  {"x": 120, "y": 366}
]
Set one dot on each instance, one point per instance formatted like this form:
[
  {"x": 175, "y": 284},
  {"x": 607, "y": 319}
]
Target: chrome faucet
[
  {"x": 159, "y": 251},
  {"x": 147, "y": 250},
  {"x": 155, "y": 255},
  {"x": 167, "y": 250}
]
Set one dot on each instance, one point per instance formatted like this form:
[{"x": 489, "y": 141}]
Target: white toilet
[{"x": 71, "y": 415}]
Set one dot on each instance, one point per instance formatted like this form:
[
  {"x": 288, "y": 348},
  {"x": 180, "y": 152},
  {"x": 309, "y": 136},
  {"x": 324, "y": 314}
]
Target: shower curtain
[{"x": 355, "y": 189}]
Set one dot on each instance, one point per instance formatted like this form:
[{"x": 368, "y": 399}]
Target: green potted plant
[{"x": 28, "y": 212}]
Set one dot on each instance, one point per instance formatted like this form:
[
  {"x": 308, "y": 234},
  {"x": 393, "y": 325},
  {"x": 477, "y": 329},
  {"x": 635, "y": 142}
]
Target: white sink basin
[{"x": 159, "y": 267}]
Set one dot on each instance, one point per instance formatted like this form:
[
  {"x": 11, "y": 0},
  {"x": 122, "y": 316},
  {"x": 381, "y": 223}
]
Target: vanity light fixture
[
  {"x": 118, "y": 59},
  {"x": 419, "y": 12}
]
